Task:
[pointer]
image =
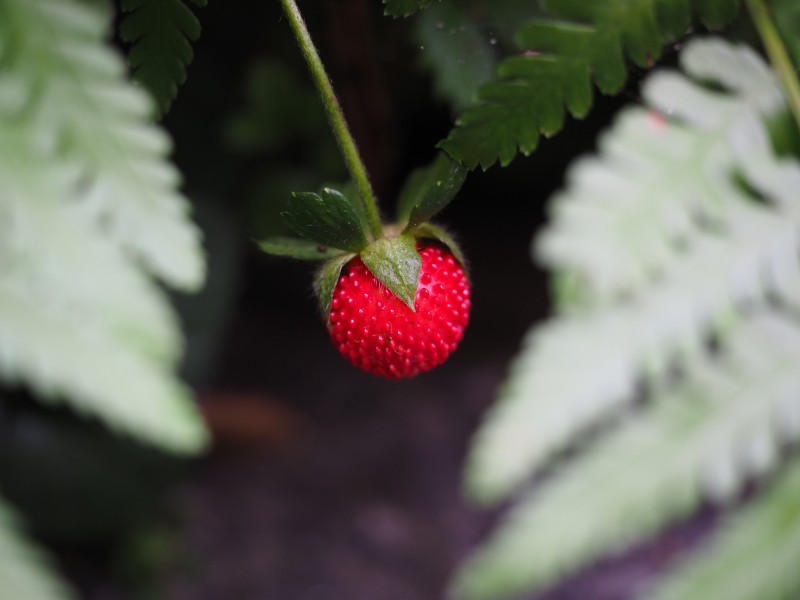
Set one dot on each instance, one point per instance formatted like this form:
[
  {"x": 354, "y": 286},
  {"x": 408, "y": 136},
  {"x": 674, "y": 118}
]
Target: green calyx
[{"x": 332, "y": 228}]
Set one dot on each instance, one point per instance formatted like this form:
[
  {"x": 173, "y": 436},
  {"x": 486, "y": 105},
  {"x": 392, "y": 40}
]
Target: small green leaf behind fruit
[
  {"x": 328, "y": 219},
  {"x": 396, "y": 263},
  {"x": 404, "y": 8},
  {"x": 429, "y": 189},
  {"x": 300, "y": 249},
  {"x": 431, "y": 231},
  {"x": 325, "y": 282}
]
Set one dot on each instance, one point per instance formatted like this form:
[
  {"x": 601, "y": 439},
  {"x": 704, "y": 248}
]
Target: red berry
[{"x": 379, "y": 333}]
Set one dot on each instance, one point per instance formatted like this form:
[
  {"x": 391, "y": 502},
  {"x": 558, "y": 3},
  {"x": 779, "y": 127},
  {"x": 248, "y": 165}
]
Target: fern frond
[
  {"x": 24, "y": 569},
  {"x": 705, "y": 434},
  {"x": 55, "y": 50},
  {"x": 666, "y": 243},
  {"x": 80, "y": 320},
  {"x": 161, "y": 32},
  {"x": 755, "y": 555},
  {"x": 404, "y": 8},
  {"x": 584, "y": 43}
]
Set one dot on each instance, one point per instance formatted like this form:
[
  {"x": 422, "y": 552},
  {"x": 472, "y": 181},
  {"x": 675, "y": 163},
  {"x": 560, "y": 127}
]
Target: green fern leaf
[
  {"x": 404, "y": 8},
  {"x": 736, "y": 565},
  {"x": 645, "y": 245},
  {"x": 161, "y": 32},
  {"x": 584, "y": 42},
  {"x": 704, "y": 435},
  {"x": 55, "y": 50},
  {"x": 24, "y": 570},
  {"x": 81, "y": 321}
]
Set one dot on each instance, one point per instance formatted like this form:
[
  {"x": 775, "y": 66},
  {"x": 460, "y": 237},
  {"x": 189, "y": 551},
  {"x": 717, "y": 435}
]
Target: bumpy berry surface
[{"x": 379, "y": 333}]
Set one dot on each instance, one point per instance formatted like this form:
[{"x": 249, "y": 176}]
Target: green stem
[
  {"x": 778, "y": 55},
  {"x": 336, "y": 117}
]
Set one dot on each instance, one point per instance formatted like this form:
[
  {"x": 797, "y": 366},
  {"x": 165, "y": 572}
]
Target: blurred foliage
[
  {"x": 92, "y": 225},
  {"x": 456, "y": 49},
  {"x": 680, "y": 245}
]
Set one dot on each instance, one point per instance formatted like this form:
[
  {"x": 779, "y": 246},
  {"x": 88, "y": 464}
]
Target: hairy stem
[
  {"x": 333, "y": 110},
  {"x": 778, "y": 55}
]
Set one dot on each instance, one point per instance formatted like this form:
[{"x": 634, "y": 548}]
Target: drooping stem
[
  {"x": 333, "y": 110},
  {"x": 778, "y": 55}
]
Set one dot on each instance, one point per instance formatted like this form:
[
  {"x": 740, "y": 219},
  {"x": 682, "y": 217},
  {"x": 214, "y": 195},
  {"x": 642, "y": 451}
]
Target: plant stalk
[
  {"x": 777, "y": 53},
  {"x": 333, "y": 110}
]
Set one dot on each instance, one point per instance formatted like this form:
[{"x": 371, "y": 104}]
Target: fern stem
[
  {"x": 777, "y": 53},
  {"x": 336, "y": 118}
]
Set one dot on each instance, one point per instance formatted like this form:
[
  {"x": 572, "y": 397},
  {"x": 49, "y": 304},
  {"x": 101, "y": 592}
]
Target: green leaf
[
  {"x": 161, "y": 32},
  {"x": 325, "y": 282},
  {"x": 89, "y": 210},
  {"x": 457, "y": 51},
  {"x": 404, "y": 8},
  {"x": 58, "y": 55},
  {"x": 329, "y": 219},
  {"x": 708, "y": 435},
  {"x": 623, "y": 231},
  {"x": 25, "y": 571},
  {"x": 583, "y": 43},
  {"x": 429, "y": 230},
  {"x": 429, "y": 190},
  {"x": 301, "y": 249},
  {"x": 396, "y": 263},
  {"x": 681, "y": 241},
  {"x": 754, "y": 555}
]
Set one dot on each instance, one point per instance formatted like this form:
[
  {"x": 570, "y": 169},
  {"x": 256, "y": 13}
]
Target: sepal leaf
[
  {"x": 429, "y": 190},
  {"x": 300, "y": 249},
  {"x": 435, "y": 232},
  {"x": 396, "y": 263},
  {"x": 329, "y": 219},
  {"x": 325, "y": 282}
]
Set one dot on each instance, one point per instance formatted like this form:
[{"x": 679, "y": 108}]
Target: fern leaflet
[
  {"x": 583, "y": 43},
  {"x": 714, "y": 255},
  {"x": 637, "y": 236},
  {"x": 24, "y": 570},
  {"x": 712, "y": 430},
  {"x": 99, "y": 119},
  {"x": 80, "y": 320},
  {"x": 161, "y": 32},
  {"x": 735, "y": 566}
]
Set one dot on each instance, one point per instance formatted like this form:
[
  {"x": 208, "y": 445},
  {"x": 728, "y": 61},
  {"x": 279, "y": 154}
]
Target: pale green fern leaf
[
  {"x": 81, "y": 322},
  {"x": 161, "y": 32},
  {"x": 24, "y": 569},
  {"x": 702, "y": 436},
  {"x": 755, "y": 555},
  {"x": 56, "y": 49},
  {"x": 666, "y": 244}
]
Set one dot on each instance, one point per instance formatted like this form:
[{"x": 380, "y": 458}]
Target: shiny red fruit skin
[{"x": 379, "y": 333}]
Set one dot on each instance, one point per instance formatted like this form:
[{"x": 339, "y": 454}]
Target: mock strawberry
[{"x": 378, "y": 332}]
